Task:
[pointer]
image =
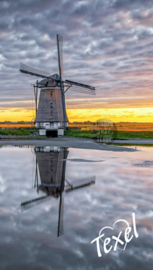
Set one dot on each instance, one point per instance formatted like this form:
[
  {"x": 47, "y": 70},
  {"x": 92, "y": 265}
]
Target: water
[{"x": 56, "y": 232}]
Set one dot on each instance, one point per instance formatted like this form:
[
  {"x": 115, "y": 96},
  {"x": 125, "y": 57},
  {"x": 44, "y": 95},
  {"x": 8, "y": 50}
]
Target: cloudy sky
[{"x": 107, "y": 43}]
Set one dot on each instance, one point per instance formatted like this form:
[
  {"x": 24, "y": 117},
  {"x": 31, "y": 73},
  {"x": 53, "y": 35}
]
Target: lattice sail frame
[
  {"x": 34, "y": 71},
  {"x": 60, "y": 44}
]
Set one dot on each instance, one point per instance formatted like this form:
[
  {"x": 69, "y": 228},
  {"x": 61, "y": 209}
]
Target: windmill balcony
[
  {"x": 47, "y": 129},
  {"x": 47, "y": 125}
]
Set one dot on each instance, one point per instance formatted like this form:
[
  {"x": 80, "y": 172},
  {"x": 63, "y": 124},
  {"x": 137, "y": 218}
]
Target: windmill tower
[
  {"x": 51, "y": 164},
  {"x": 51, "y": 117}
]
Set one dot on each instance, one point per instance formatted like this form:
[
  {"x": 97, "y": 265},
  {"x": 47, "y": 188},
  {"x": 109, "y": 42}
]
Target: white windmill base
[
  {"x": 46, "y": 128},
  {"x": 43, "y": 132}
]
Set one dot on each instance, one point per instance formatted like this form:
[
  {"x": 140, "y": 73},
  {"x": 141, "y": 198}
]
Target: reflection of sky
[{"x": 28, "y": 239}]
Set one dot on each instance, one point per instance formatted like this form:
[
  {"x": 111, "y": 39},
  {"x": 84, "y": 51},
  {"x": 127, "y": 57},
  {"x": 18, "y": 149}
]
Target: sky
[{"x": 107, "y": 44}]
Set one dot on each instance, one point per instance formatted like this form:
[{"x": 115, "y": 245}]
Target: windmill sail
[
  {"x": 33, "y": 71},
  {"x": 60, "y": 53},
  {"x": 80, "y": 183},
  {"x": 33, "y": 202},
  {"x": 60, "y": 229},
  {"x": 60, "y": 65},
  {"x": 80, "y": 87}
]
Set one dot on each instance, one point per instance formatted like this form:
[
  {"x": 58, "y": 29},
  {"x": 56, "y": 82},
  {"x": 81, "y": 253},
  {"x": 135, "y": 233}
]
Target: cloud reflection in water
[{"x": 29, "y": 239}]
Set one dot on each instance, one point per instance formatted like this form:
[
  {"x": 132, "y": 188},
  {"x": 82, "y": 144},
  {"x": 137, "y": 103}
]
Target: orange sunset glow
[{"x": 81, "y": 115}]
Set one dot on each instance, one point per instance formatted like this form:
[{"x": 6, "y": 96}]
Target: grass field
[
  {"x": 124, "y": 130},
  {"x": 119, "y": 134},
  {"x": 18, "y": 132}
]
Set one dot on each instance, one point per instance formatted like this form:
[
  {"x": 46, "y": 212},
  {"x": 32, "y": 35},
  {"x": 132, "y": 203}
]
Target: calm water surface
[{"x": 53, "y": 203}]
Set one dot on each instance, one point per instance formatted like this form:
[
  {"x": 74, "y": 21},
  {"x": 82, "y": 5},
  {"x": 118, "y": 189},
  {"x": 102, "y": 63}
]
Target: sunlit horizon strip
[{"x": 81, "y": 115}]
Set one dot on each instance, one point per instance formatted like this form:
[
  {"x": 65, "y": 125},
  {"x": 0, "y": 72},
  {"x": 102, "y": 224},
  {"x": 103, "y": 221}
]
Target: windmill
[
  {"x": 51, "y": 117},
  {"x": 51, "y": 162}
]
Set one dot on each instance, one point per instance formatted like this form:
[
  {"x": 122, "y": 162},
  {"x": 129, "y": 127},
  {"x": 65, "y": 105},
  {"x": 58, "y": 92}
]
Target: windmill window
[
  {"x": 51, "y": 93},
  {"x": 51, "y": 105},
  {"x": 51, "y": 112}
]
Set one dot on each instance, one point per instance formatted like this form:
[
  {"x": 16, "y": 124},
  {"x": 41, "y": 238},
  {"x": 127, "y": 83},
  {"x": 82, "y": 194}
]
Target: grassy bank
[
  {"x": 82, "y": 134},
  {"x": 134, "y": 134},
  {"x": 119, "y": 134},
  {"x": 17, "y": 132}
]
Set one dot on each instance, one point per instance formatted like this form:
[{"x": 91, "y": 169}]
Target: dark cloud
[{"x": 130, "y": 3}]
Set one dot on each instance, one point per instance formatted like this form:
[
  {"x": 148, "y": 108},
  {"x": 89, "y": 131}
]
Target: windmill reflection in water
[{"x": 51, "y": 163}]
